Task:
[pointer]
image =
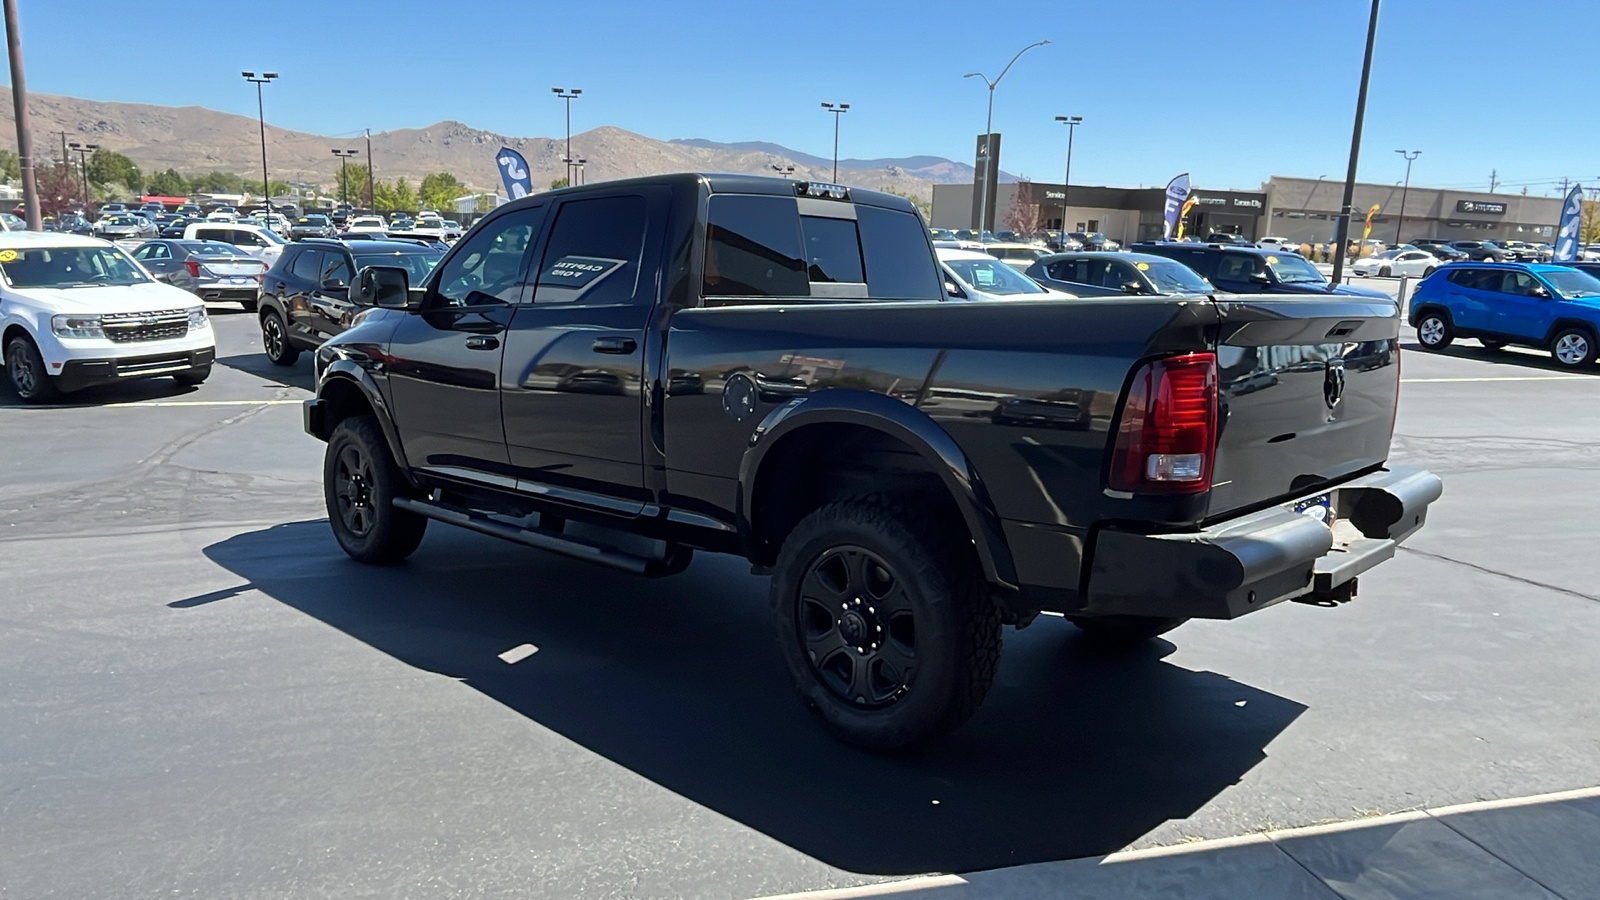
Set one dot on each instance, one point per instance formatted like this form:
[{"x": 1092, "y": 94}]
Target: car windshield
[
  {"x": 1573, "y": 284},
  {"x": 1172, "y": 277},
  {"x": 417, "y": 263},
  {"x": 993, "y": 277},
  {"x": 68, "y": 267},
  {"x": 1295, "y": 270}
]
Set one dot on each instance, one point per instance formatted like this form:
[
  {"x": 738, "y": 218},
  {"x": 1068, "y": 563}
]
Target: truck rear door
[{"x": 1307, "y": 388}]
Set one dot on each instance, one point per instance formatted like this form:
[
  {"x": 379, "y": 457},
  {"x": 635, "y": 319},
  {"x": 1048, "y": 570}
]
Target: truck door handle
[
  {"x": 482, "y": 342},
  {"x": 615, "y": 345}
]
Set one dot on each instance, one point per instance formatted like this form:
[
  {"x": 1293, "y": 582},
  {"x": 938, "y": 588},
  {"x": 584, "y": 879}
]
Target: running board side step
[{"x": 675, "y": 560}]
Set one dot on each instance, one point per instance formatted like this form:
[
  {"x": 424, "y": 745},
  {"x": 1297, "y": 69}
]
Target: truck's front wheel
[
  {"x": 883, "y": 621},
  {"x": 360, "y": 481}
]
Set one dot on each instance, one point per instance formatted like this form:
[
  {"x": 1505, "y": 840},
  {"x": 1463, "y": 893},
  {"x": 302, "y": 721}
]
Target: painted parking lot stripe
[
  {"x": 1498, "y": 378},
  {"x": 139, "y": 403}
]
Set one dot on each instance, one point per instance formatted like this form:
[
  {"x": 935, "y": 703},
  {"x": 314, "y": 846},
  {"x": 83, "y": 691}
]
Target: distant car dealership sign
[{"x": 1479, "y": 206}]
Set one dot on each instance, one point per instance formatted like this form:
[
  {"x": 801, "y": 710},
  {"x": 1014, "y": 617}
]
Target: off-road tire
[
  {"x": 935, "y": 581},
  {"x": 1122, "y": 632},
  {"x": 359, "y": 483},
  {"x": 275, "y": 339},
  {"x": 27, "y": 373}
]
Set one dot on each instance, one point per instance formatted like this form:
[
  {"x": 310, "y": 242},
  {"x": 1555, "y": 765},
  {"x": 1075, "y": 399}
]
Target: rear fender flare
[{"x": 913, "y": 428}]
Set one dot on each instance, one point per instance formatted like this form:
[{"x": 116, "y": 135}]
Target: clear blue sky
[{"x": 1232, "y": 92}]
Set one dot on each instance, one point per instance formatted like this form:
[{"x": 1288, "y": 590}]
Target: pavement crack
[{"x": 1488, "y": 571}]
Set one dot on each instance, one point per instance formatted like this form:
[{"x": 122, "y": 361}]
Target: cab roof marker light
[{"x": 821, "y": 190}]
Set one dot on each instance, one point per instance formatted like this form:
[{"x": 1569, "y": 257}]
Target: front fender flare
[
  {"x": 348, "y": 371},
  {"x": 907, "y": 424}
]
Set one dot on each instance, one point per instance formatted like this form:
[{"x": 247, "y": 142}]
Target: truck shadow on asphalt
[
  {"x": 1525, "y": 357},
  {"x": 1074, "y": 754},
  {"x": 298, "y": 375}
]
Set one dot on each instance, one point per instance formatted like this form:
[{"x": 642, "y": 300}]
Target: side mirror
[
  {"x": 334, "y": 284},
  {"x": 1261, "y": 278},
  {"x": 953, "y": 289},
  {"x": 1132, "y": 287},
  {"x": 388, "y": 287},
  {"x": 1540, "y": 290}
]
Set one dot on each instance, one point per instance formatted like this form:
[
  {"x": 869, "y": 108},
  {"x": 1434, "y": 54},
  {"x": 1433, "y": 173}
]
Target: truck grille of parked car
[{"x": 128, "y": 328}]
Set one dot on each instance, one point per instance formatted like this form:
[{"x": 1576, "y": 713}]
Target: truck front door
[{"x": 573, "y": 390}]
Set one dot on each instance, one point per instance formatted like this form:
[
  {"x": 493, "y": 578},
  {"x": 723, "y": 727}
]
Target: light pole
[
  {"x": 988, "y": 130},
  {"x": 344, "y": 184},
  {"x": 19, "y": 100},
  {"x": 1342, "y": 227},
  {"x": 569, "y": 96},
  {"x": 261, "y": 115},
  {"x": 1409, "y": 157},
  {"x": 1072, "y": 123},
  {"x": 785, "y": 171},
  {"x": 838, "y": 109},
  {"x": 83, "y": 151},
  {"x": 574, "y": 169}
]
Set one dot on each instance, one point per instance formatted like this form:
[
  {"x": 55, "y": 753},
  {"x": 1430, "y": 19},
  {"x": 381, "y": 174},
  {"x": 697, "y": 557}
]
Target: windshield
[
  {"x": 1573, "y": 284},
  {"x": 993, "y": 277},
  {"x": 1295, "y": 270},
  {"x": 417, "y": 265},
  {"x": 1172, "y": 277},
  {"x": 67, "y": 267}
]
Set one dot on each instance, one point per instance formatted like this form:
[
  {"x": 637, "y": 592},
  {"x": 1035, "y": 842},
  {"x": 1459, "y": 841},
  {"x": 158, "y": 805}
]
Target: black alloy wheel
[
  {"x": 360, "y": 483},
  {"x": 275, "y": 339},
  {"x": 27, "y": 372},
  {"x": 883, "y": 620}
]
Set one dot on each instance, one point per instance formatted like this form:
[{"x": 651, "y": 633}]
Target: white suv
[
  {"x": 262, "y": 243},
  {"x": 77, "y": 311}
]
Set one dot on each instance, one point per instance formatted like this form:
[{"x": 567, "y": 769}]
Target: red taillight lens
[
  {"x": 194, "y": 267},
  {"x": 1167, "y": 436}
]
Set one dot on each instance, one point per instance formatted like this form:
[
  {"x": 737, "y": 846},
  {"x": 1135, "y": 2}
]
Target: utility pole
[
  {"x": 63, "y": 144},
  {"x": 261, "y": 116},
  {"x": 83, "y": 151},
  {"x": 1492, "y": 180},
  {"x": 988, "y": 136},
  {"x": 371, "y": 195},
  {"x": 1342, "y": 230},
  {"x": 1072, "y": 123},
  {"x": 19, "y": 97},
  {"x": 1409, "y": 157},
  {"x": 838, "y": 109},
  {"x": 568, "y": 96},
  {"x": 344, "y": 183}
]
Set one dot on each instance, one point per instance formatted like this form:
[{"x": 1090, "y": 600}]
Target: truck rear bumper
[{"x": 1241, "y": 565}]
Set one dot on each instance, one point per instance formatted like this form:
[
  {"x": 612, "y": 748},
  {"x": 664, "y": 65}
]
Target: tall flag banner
[
  {"x": 1368, "y": 232},
  {"x": 1571, "y": 225},
  {"x": 1184, "y": 214},
  {"x": 514, "y": 173},
  {"x": 1177, "y": 192}
]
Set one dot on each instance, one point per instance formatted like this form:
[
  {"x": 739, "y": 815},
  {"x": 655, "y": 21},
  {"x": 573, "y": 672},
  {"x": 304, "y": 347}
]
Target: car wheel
[
  {"x": 275, "y": 339},
  {"x": 1384, "y": 272},
  {"x": 1434, "y": 331},
  {"x": 883, "y": 622},
  {"x": 195, "y": 376},
  {"x": 1121, "y": 632},
  {"x": 360, "y": 481},
  {"x": 26, "y": 369},
  {"x": 1573, "y": 348}
]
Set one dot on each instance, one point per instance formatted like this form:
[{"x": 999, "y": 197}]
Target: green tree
[
  {"x": 167, "y": 184},
  {"x": 395, "y": 197},
  {"x": 557, "y": 184},
  {"x": 10, "y": 166},
  {"x": 440, "y": 190},
  {"x": 107, "y": 167},
  {"x": 350, "y": 185},
  {"x": 217, "y": 183},
  {"x": 279, "y": 188}
]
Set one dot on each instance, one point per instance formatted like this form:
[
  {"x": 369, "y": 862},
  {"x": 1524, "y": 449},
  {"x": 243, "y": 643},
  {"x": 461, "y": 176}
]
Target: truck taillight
[{"x": 1167, "y": 434}]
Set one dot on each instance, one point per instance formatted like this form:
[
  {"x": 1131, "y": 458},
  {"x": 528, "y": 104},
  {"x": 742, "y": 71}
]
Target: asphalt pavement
[{"x": 200, "y": 696}]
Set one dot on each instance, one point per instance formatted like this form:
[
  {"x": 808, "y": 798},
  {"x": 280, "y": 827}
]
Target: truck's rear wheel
[
  {"x": 1115, "y": 632},
  {"x": 360, "y": 481},
  {"x": 883, "y": 622}
]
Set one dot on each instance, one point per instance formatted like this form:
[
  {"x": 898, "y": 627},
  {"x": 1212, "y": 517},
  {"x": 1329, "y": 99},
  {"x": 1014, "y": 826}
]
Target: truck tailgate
[{"x": 1307, "y": 389}]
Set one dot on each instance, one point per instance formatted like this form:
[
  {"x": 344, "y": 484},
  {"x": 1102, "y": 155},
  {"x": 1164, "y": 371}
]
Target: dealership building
[{"x": 1301, "y": 209}]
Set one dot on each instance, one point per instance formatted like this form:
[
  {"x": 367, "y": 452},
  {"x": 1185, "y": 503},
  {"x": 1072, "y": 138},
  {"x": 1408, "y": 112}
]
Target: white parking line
[
  {"x": 518, "y": 654},
  {"x": 1498, "y": 378},
  {"x": 136, "y": 403}
]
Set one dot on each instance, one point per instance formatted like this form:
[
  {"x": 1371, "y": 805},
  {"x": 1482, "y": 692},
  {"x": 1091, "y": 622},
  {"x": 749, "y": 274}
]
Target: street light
[
  {"x": 1072, "y": 123},
  {"x": 1409, "y": 157},
  {"x": 568, "y": 96},
  {"x": 261, "y": 115},
  {"x": 988, "y": 129},
  {"x": 83, "y": 151},
  {"x": 838, "y": 109},
  {"x": 574, "y": 169},
  {"x": 1341, "y": 230},
  {"x": 344, "y": 185},
  {"x": 785, "y": 171}
]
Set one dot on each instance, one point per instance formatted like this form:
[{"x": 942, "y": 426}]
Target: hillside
[{"x": 194, "y": 140}]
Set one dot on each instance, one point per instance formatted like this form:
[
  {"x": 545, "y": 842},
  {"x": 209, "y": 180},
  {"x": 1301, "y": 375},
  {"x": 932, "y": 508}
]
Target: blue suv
[{"x": 1535, "y": 305}]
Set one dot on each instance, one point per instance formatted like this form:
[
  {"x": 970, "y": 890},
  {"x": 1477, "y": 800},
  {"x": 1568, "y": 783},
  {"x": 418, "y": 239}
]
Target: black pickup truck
[{"x": 631, "y": 371}]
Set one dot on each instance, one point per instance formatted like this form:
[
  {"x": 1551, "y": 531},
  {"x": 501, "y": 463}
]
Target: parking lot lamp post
[
  {"x": 785, "y": 171},
  {"x": 83, "y": 151},
  {"x": 988, "y": 128},
  {"x": 1409, "y": 157},
  {"x": 569, "y": 96},
  {"x": 838, "y": 109},
  {"x": 1341, "y": 229},
  {"x": 344, "y": 185},
  {"x": 1072, "y": 123},
  {"x": 261, "y": 115}
]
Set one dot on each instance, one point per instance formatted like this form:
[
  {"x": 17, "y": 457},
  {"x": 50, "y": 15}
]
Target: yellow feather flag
[{"x": 1368, "y": 233}]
